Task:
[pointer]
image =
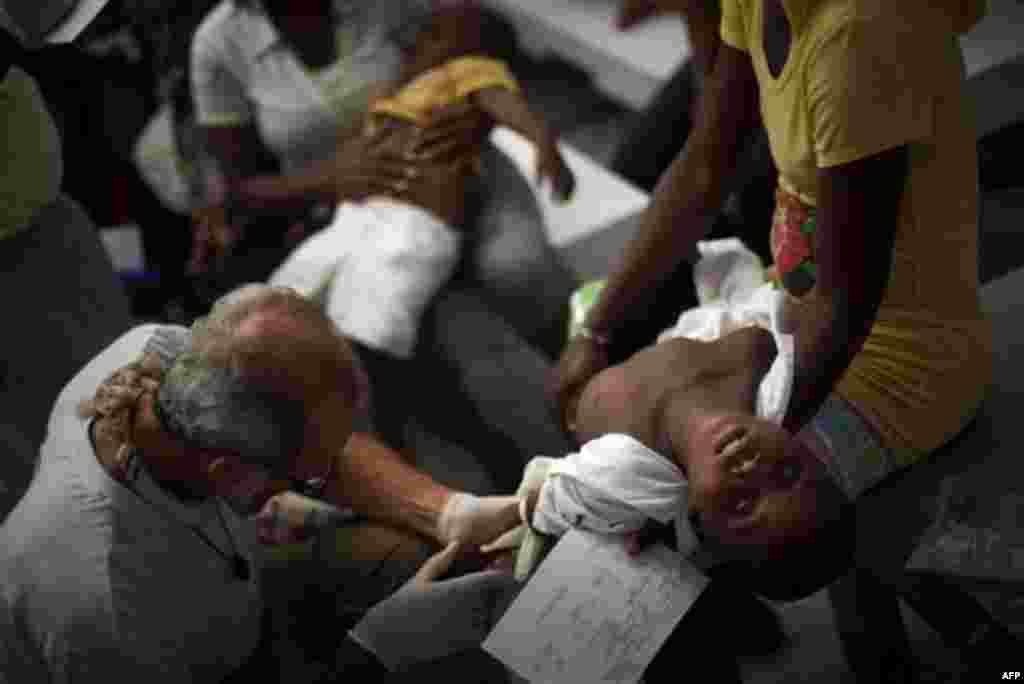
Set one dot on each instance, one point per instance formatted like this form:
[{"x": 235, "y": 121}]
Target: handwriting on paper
[{"x": 592, "y": 613}]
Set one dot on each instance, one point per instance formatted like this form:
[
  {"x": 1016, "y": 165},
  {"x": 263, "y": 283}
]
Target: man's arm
[
  {"x": 858, "y": 212},
  {"x": 376, "y": 481}
]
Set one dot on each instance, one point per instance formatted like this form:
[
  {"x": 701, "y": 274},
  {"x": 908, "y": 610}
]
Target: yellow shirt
[
  {"x": 861, "y": 77},
  {"x": 445, "y": 85}
]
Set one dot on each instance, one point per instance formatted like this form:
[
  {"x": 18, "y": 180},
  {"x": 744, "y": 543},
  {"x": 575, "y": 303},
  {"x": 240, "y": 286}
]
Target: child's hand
[{"x": 551, "y": 165}]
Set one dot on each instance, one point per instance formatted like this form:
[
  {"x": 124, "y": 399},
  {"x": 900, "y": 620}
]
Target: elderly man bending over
[{"x": 125, "y": 555}]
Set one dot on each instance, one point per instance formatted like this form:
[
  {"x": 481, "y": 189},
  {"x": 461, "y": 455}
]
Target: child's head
[
  {"x": 454, "y": 31},
  {"x": 761, "y": 497}
]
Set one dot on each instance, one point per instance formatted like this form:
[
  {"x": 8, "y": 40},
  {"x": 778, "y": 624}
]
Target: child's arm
[{"x": 509, "y": 108}]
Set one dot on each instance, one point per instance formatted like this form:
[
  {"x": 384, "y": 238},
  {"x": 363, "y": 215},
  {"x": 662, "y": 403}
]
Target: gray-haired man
[{"x": 124, "y": 561}]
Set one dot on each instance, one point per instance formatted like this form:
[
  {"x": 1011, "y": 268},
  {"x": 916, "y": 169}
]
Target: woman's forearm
[
  {"x": 858, "y": 216},
  {"x": 702, "y": 19},
  {"x": 687, "y": 195},
  {"x": 281, "y": 194},
  {"x": 375, "y": 481},
  {"x": 286, "y": 193},
  {"x": 669, "y": 230}
]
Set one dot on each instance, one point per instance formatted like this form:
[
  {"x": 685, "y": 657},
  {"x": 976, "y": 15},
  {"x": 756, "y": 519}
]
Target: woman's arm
[
  {"x": 701, "y": 17},
  {"x": 354, "y": 171},
  {"x": 858, "y": 212},
  {"x": 687, "y": 195}
]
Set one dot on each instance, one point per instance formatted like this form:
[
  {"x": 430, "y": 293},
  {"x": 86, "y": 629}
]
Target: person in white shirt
[{"x": 296, "y": 79}]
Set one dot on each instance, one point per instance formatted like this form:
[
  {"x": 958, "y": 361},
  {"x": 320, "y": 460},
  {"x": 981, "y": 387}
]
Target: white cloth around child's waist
[
  {"x": 613, "y": 485},
  {"x": 377, "y": 265}
]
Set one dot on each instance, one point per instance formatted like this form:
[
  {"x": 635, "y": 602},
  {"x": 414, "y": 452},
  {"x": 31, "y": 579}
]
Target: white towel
[
  {"x": 733, "y": 294},
  {"x": 379, "y": 263},
  {"x": 613, "y": 485}
]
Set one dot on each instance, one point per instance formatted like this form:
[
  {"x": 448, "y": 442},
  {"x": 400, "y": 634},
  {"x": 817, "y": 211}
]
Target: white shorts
[{"x": 376, "y": 267}]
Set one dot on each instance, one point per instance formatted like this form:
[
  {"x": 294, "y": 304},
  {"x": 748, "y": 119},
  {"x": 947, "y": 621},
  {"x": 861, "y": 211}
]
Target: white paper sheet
[{"x": 592, "y": 613}]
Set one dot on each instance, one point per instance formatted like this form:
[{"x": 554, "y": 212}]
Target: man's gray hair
[{"x": 210, "y": 397}]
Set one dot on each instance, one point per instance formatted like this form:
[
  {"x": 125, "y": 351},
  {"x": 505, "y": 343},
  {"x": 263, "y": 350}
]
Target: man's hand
[
  {"x": 582, "y": 360},
  {"x": 551, "y": 165}
]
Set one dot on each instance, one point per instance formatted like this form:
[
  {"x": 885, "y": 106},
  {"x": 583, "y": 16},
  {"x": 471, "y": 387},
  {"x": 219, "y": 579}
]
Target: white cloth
[
  {"x": 98, "y": 585},
  {"x": 243, "y": 72},
  {"x": 733, "y": 294},
  {"x": 379, "y": 263},
  {"x": 613, "y": 485}
]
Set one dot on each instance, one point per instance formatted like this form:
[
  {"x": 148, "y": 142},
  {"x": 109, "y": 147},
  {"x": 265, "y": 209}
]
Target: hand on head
[{"x": 756, "y": 488}]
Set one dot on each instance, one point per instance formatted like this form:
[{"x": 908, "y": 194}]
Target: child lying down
[
  {"x": 380, "y": 261},
  {"x": 690, "y": 428}
]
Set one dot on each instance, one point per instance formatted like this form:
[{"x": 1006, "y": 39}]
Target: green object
[
  {"x": 534, "y": 545},
  {"x": 581, "y": 302}
]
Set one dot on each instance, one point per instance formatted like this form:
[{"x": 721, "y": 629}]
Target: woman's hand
[
  {"x": 582, "y": 360},
  {"x": 372, "y": 165},
  {"x": 453, "y": 133},
  {"x": 551, "y": 165},
  {"x": 633, "y": 12}
]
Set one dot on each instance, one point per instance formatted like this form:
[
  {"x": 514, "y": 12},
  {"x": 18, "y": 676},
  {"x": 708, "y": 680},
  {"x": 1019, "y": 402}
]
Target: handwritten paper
[{"x": 592, "y": 613}]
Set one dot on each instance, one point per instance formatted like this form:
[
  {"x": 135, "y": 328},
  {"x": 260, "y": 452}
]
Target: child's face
[{"x": 758, "y": 490}]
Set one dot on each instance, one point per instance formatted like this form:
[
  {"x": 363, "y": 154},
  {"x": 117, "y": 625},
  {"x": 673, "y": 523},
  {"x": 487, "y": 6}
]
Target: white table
[
  {"x": 994, "y": 55},
  {"x": 629, "y": 66},
  {"x": 593, "y": 227}
]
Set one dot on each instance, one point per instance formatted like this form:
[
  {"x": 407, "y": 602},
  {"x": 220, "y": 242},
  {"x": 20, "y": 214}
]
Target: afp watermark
[{"x": 1012, "y": 676}]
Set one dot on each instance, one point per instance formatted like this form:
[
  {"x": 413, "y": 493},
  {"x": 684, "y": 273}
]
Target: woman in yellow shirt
[{"x": 875, "y": 231}]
